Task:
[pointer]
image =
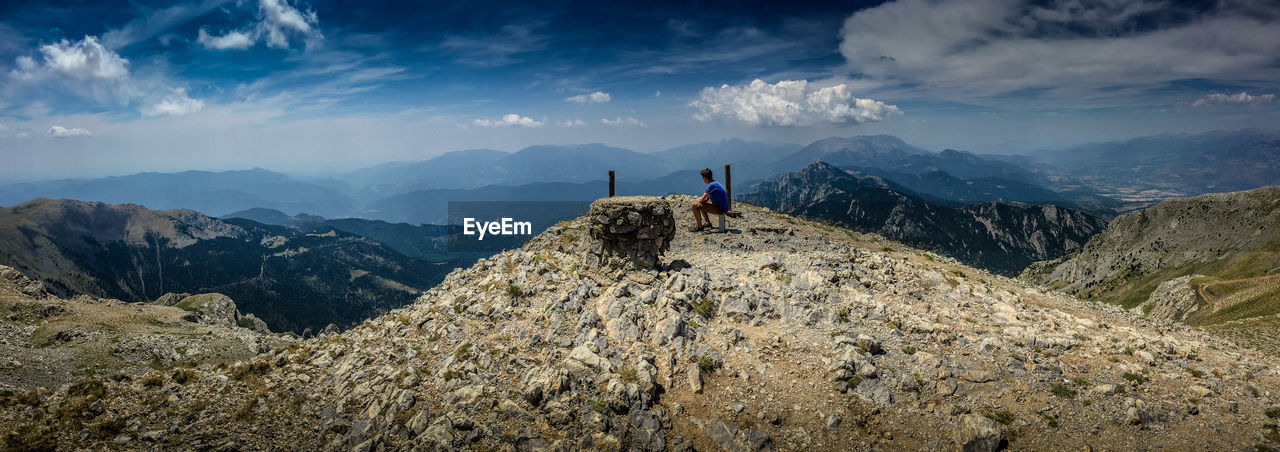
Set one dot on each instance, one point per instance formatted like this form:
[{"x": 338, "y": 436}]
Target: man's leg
[
  {"x": 697, "y": 214},
  {"x": 708, "y": 210}
]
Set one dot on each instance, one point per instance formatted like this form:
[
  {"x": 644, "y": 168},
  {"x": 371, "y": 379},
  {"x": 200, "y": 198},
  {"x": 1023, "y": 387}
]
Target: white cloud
[
  {"x": 982, "y": 48},
  {"x": 788, "y": 103},
  {"x": 597, "y": 97},
  {"x": 509, "y": 120},
  {"x": 85, "y": 59},
  {"x": 572, "y": 123},
  {"x": 278, "y": 23},
  {"x": 657, "y": 93},
  {"x": 1241, "y": 98},
  {"x": 63, "y": 132},
  {"x": 235, "y": 40},
  {"x": 176, "y": 103},
  {"x": 279, "y": 19},
  {"x": 622, "y": 121}
]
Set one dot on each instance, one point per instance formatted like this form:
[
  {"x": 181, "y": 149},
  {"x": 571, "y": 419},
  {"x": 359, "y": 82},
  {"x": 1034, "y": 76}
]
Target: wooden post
[
  {"x": 728, "y": 193},
  {"x": 610, "y": 183}
]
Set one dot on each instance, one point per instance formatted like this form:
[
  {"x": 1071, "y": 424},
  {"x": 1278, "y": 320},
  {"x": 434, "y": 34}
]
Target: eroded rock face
[{"x": 631, "y": 232}]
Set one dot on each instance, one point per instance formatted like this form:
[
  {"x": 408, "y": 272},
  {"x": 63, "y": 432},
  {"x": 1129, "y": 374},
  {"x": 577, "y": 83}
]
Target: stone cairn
[{"x": 630, "y": 232}]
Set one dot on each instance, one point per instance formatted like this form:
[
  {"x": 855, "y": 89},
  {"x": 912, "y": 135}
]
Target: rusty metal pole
[
  {"x": 728, "y": 183},
  {"x": 610, "y": 183}
]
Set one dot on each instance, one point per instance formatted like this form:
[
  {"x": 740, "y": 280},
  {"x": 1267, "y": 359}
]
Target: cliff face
[
  {"x": 782, "y": 334},
  {"x": 1000, "y": 237}
]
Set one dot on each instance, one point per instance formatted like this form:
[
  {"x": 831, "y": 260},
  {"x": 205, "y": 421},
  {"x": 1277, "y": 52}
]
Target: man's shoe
[{"x": 696, "y": 228}]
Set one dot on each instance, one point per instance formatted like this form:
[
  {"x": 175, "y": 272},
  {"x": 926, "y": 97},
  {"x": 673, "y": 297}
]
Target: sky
[{"x": 100, "y": 88}]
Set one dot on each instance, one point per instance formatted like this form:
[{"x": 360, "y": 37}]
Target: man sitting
[{"x": 714, "y": 201}]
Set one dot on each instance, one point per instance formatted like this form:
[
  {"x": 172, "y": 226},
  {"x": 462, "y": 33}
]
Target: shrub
[
  {"x": 463, "y": 350},
  {"x": 183, "y": 376},
  {"x": 1062, "y": 390},
  {"x": 153, "y": 381},
  {"x": 705, "y": 308},
  {"x": 707, "y": 364},
  {"x": 1002, "y": 416},
  {"x": 909, "y": 350},
  {"x": 1134, "y": 378},
  {"x": 251, "y": 370}
]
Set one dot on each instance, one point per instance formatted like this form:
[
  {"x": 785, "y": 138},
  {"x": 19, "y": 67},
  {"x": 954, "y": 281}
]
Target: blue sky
[{"x": 96, "y": 88}]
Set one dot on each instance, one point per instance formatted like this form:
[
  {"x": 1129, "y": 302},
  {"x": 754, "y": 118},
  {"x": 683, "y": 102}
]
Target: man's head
[{"x": 706, "y": 176}]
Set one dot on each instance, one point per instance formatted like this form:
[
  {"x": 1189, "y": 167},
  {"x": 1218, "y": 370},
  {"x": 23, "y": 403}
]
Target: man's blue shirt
[{"x": 718, "y": 196}]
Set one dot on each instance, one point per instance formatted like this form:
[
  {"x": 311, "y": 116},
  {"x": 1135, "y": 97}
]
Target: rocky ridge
[
  {"x": 783, "y": 334},
  {"x": 1211, "y": 260},
  {"x": 47, "y": 341}
]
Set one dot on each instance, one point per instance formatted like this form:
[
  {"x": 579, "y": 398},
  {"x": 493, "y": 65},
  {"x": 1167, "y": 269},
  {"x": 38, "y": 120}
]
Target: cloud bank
[
  {"x": 975, "y": 48},
  {"x": 63, "y": 132},
  {"x": 788, "y": 103},
  {"x": 629, "y": 121},
  {"x": 597, "y": 97},
  {"x": 1241, "y": 98},
  {"x": 509, "y": 120},
  {"x": 176, "y": 103}
]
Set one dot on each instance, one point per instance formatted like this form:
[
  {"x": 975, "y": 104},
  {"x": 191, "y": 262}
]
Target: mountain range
[
  {"x": 292, "y": 279},
  {"x": 392, "y": 191},
  {"x": 1001, "y": 237},
  {"x": 1172, "y": 165}
]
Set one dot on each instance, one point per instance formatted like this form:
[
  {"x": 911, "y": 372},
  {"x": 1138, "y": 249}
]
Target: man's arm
[{"x": 705, "y": 197}]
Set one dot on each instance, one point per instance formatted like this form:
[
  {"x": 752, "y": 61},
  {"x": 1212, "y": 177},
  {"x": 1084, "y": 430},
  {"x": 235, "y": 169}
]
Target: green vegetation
[
  {"x": 909, "y": 350},
  {"x": 1062, "y": 390},
  {"x": 854, "y": 381},
  {"x": 1134, "y": 378},
  {"x": 183, "y": 376},
  {"x": 628, "y": 375},
  {"x": 154, "y": 380},
  {"x": 598, "y": 406},
  {"x": 1004, "y": 417},
  {"x": 251, "y": 371},
  {"x": 707, "y": 364},
  {"x": 705, "y": 308},
  {"x": 463, "y": 350}
]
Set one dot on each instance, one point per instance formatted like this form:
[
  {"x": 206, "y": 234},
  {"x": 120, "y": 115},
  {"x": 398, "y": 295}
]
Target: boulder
[
  {"x": 977, "y": 433},
  {"x": 213, "y": 308}
]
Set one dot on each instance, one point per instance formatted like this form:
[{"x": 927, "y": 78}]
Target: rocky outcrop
[
  {"x": 16, "y": 281},
  {"x": 47, "y": 342},
  {"x": 212, "y": 308},
  {"x": 1172, "y": 300},
  {"x": 789, "y": 335},
  {"x": 630, "y": 232}
]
